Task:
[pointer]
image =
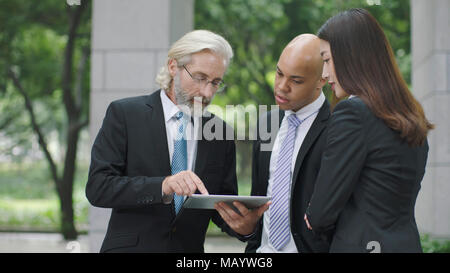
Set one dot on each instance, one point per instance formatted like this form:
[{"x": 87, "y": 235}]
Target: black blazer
[
  {"x": 129, "y": 161},
  {"x": 368, "y": 183},
  {"x": 304, "y": 175}
]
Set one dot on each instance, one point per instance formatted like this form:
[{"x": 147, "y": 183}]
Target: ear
[{"x": 172, "y": 66}]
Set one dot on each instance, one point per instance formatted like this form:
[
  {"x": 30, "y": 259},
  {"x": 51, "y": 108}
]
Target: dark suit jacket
[
  {"x": 130, "y": 159},
  {"x": 368, "y": 183},
  {"x": 304, "y": 175}
]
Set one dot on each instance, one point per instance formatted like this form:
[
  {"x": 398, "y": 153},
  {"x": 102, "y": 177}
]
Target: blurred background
[{"x": 63, "y": 61}]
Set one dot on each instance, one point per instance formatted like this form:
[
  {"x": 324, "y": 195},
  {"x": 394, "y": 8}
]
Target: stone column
[
  {"x": 130, "y": 40},
  {"x": 431, "y": 85}
]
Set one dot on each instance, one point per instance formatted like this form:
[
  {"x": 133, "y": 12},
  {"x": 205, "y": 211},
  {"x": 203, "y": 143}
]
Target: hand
[
  {"x": 307, "y": 222},
  {"x": 183, "y": 183},
  {"x": 245, "y": 222}
]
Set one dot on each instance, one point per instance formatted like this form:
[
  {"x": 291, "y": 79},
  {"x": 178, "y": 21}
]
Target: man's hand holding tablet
[
  {"x": 243, "y": 222},
  {"x": 241, "y": 213}
]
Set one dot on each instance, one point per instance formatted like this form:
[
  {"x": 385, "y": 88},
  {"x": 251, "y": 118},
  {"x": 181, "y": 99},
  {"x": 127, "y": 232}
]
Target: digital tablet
[{"x": 200, "y": 201}]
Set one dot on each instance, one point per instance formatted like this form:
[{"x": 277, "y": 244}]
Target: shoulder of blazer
[
  {"x": 355, "y": 104},
  {"x": 355, "y": 113},
  {"x": 137, "y": 100},
  {"x": 153, "y": 100},
  {"x": 128, "y": 105}
]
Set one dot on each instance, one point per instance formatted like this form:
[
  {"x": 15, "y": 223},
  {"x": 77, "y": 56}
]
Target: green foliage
[
  {"x": 28, "y": 200},
  {"x": 258, "y": 30},
  {"x": 25, "y": 181},
  {"x": 38, "y": 57},
  {"x": 430, "y": 245},
  {"x": 32, "y": 43},
  {"x": 243, "y": 23}
]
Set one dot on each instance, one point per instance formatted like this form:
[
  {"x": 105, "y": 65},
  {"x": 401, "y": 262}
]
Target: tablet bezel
[{"x": 201, "y": 201}]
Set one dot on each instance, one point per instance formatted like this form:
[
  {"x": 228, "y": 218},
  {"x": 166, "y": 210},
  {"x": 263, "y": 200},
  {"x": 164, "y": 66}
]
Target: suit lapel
[
  {"x": 202, "y": 149},
  {"x": 158, "y": 134},
  {"x": 316, "y": 128}
]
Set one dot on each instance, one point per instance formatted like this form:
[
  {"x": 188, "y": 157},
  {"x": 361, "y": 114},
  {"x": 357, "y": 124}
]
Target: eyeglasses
[{"x": 217, "y": 84}]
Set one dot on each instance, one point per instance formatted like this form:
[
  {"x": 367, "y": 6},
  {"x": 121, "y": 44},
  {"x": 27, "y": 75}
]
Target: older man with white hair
[{"x": 147, "y": 156}]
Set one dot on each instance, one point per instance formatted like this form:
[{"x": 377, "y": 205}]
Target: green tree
[
  {"x": 44, "y": 72},
  {"x": 258, "y": 30}
]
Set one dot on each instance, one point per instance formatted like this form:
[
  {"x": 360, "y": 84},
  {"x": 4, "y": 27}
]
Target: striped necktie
[
  {"x": 179, "y": 158},
  {"x": 279, "y": 234}
]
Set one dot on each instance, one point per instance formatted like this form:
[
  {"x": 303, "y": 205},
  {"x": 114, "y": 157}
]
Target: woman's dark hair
[{"x": 365, "y": 66}]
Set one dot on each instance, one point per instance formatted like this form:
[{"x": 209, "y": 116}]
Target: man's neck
[{"x": 171, "y": 94}]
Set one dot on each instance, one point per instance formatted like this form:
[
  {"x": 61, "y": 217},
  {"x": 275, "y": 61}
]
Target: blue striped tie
[
  {"x": 279, "y": 234},
  {"x": 179, "y": 158}
]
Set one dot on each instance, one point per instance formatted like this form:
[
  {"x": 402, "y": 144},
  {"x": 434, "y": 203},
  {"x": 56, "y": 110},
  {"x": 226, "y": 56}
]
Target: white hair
[{"x": 193, "y": 42}]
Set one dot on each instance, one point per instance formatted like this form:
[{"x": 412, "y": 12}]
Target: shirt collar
[
  {"x": 170, "y": 109},
  {"x": 307, "y": 110}
]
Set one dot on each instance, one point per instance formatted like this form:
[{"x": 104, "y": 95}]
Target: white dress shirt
[
  {"x": 170, "y": 110},
  {"x": 308, "y": 110}
]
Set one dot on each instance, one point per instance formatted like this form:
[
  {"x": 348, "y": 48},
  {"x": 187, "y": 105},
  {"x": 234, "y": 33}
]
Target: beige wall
[{"x": 431, "y": 85}]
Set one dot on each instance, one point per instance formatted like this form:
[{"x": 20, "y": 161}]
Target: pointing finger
[
  {"x": 200, "y": 186},
  {"x": 191, "y": 185}
]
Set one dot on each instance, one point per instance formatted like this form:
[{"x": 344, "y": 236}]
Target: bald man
[{"x": 289, "y": 170}]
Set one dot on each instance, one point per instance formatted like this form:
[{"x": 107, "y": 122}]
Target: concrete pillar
[
  {"x": 431, "y": 85},
  {"x": 130, "y": 40}
]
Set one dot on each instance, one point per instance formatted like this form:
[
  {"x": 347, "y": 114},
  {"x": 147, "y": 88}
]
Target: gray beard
[{"x": 185, "y": 103}]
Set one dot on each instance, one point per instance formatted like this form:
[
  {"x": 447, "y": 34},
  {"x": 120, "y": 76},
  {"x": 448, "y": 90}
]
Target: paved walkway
[{"x": 54, "y": 243}]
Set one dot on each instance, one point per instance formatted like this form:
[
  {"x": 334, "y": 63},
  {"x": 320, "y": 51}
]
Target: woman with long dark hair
[{"x": 377, "y": 146}]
